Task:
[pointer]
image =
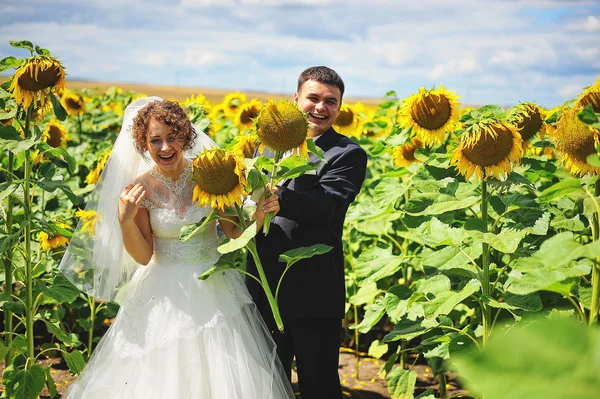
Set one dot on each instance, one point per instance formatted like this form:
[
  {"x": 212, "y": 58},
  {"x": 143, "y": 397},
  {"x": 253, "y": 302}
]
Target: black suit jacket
[{"x": 312, "y": 211}]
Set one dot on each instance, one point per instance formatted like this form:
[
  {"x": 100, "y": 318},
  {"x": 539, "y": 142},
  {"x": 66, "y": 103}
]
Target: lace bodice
[{"x": 170, "y": 206}]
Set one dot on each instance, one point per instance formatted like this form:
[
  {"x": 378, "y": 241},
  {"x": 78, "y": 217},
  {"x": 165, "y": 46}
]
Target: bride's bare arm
[
  {"x": 270, "y": 204},
  {"x": 135, "y": 224}
]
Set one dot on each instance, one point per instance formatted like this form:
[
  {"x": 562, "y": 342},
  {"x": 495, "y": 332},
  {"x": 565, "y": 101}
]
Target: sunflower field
[{"x": 473, "y": 246}]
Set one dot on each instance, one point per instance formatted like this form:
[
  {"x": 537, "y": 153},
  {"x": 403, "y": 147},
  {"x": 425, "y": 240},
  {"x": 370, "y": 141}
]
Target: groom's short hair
[{"x": 322, "y": 74}]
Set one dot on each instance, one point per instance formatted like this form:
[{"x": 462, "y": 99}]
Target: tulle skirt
[{"x": 178, "y": 337}]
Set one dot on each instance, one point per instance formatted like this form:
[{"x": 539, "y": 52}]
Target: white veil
[{"x": 96, "y": 261}]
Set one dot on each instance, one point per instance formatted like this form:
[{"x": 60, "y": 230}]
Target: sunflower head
[
  {"x": 590, "y": 96},
  {"x": 219, "y": 177},
  {"x": 247, "y": 113},
  {"x": 49, "y": 242},
  {"x": 488, "y": 148},
  {"x": 529, "y": 120},
  {"x": 88, "y": 220},
  {"x": 350, "y": 120},
  {"x": 575, "y": 141},
  {"x": 245, "y": 146},
  {"x": 9, "y": 121},
  {"x": 73, "y": 103},
  {"x": 430, "y": 114},
  {"x": 94, "y": 175},
  {"x": 37, "y": 75},
  {"x": 345, "y": 117},
  {"x": 55, "y": 134},
  {"x": 282, "y": 126},
  {"x": 198, "y": 106},
  {"x": 232, "y": 102},
  {"x": 404, "y": 155}
]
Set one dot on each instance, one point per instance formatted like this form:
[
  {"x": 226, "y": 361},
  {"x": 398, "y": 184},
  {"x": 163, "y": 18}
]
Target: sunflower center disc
[
  {"x": 282, "y": 128},
  {"x": 217, "y": 177},
  {"x": 73, "y": 104},
  {"x": 345, "y": 118},
  {"x": 488, "y": 150},
  {"x": 530, "y": 125},
  {"x": 55, "y": 136},
  {"x": 247, "y": 114},
  {"x": 46, "y": 78},
  {"x": 408, "y": 152},
  {"x": 431, "y": 112},
  {"x": 577, "y": 139}
]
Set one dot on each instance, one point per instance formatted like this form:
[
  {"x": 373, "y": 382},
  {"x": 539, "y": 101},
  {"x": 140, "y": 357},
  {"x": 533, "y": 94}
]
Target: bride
[{"x": 174, "y": 336}]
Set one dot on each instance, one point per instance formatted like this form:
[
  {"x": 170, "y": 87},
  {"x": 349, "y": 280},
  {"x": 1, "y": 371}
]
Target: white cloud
[
  {"x": 464, "y": 65},
  {"x": 592, "y": 24},
  {"x": 569, "y": 91},
  {"x": 506, "y": 50}
]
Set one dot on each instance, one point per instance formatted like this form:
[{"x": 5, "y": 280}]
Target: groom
[{"x": 313, "y": 208}]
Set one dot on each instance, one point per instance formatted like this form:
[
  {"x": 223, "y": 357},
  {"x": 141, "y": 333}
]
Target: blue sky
[{"x": 499, "y": 51}]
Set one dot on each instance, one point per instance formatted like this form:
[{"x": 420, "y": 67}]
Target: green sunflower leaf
[
  {"x": 26, "y": 44},
  {"x": 239, "y": 242},
  {"x": 24, "y": 383},
  {"x": 531, "y": 361}
]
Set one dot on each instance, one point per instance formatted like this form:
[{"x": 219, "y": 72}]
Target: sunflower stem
[
  {"x": 356, "y": 342},
  {"x": 485, "y": 284},
  {"x": 92, "y": 302},
  {"x": 595, "y": 307},
  {"x": 29, "y": 309},
  {"x": 8, "y": 266},
  {"x": 263, "y": 278},
  {"x": 442, "y": 382},
  {"x": 261, "y": 273},
  {"x": 269, "y": 215}
]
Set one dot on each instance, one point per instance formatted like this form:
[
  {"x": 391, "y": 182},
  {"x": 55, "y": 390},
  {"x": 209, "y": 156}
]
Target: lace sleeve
[{"x": 147, "y": 201}]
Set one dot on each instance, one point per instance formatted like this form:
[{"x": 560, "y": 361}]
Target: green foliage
[{"x": 545, "y": 359}]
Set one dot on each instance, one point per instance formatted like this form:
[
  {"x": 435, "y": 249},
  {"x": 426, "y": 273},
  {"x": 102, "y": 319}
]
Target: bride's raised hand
[{"x": 130, "y": 201}]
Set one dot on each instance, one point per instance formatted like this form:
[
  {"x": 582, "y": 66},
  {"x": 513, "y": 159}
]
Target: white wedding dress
[{"x": 176, "y": 337}]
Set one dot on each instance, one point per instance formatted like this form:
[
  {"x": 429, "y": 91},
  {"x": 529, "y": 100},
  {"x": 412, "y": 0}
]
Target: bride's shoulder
[{"x": 144, "y": 177}]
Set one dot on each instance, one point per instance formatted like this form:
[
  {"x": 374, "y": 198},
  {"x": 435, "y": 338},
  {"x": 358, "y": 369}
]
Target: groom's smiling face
[{"x": 322, "y": 102}]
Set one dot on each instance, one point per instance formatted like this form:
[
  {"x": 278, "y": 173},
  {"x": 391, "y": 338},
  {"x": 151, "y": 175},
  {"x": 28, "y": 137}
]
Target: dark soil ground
[{"x": 366, "y": 384}]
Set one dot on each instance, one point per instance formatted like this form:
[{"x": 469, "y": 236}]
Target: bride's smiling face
[{"x": 164, "y": 146}]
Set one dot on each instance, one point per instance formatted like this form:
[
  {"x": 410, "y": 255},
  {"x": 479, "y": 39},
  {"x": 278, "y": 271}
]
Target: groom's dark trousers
[{"x": 312, "y": 294}]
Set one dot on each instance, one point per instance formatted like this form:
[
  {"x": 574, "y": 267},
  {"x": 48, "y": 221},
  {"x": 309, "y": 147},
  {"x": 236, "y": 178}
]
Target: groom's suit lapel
[{"x": 325, "y": 142}]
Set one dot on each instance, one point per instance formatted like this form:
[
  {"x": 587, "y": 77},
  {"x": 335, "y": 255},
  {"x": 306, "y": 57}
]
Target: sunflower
[
  {"x": 9, "y": 121},
  {"x": 591, "y": 96},
  {"x": 116, "y": 107},
  {"x": 404, "y": 155},
  {"x": 283, "y": 127},
  {"x": 374, "y": 125},
  {"x": 430, "y": 114},
  {"x": 55, "y": 134},
  {"x": 199, "y": 100},
  {"x": 216, "y": 116},
  {"x": 89, "y": 219},
  {"x": 73, "y": 103},
  {"x": 197, "y": 106},
  {"x": 48, "y": 242},
  {"x": 219, "y": 177},
  {"x": 528, "y": 119},
  {"x": 245, "y": 145},
  {"x": 244, "y": 119},
  {"x": 232, "y": 102},
  {"x": 94, "y": 175},
  {"x": 37, "y": 75},
  {"x": 575, "y": 141},
  {"x": 350, "y": 120},
  {"x": 488, "y": 148}
]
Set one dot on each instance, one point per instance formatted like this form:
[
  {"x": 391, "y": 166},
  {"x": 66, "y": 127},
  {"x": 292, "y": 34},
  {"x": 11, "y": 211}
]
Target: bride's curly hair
[{"x": 171, "y": 114}]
